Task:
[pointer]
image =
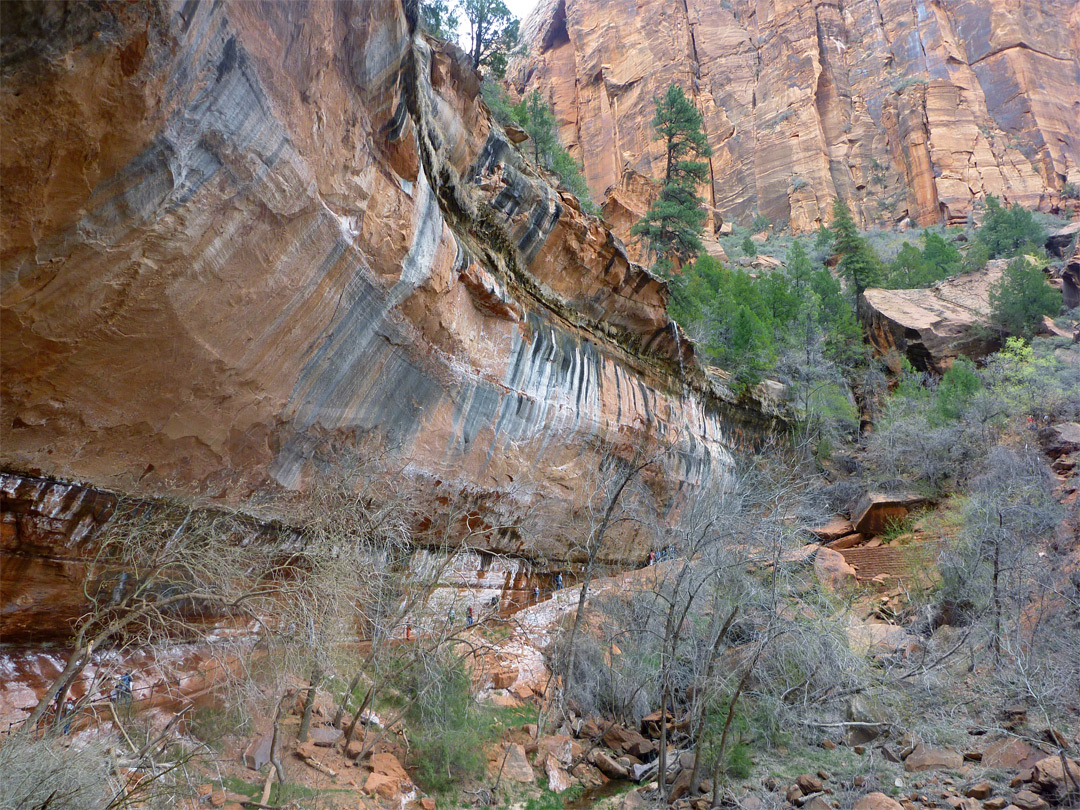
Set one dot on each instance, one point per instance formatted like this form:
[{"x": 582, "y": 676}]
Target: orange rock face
[
  {"x": 901, "y": 109},
  {"x": 238, "y": 237}
]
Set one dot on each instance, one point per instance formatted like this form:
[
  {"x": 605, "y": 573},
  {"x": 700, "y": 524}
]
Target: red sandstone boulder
[
  {"x": 876, "y": 801},
  {"x": 388, "y": 778},
  {"x": 925, "y": 758}
]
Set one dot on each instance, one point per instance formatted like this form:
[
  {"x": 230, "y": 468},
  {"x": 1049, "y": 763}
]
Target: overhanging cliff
[{"x": 241, "y": 237}]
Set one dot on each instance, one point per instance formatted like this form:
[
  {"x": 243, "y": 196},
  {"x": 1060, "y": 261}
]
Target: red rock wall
[
  {"x": 238, "y": 236},
  {"x": 902, "y": 108}
]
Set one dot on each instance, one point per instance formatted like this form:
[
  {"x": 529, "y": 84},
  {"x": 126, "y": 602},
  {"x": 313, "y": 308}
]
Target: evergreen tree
[
  {"x": 858, "y": 262},
  {"x": 941, "y": 257},
  {"x": 1021, "y": 297},
  {"x": 673, "y": 224},
  {"x": 749, "y": 248},
  {"x": 1007, "y": 232},
  {"x": 439, "y": 18},
  {"x": 538, "y": 121},
  {"x": 493, "y": 31}
]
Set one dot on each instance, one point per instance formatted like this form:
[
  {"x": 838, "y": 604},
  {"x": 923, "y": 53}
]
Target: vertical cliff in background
[
  {"x": 904, "y": 108},
  {"x": 240, "y": 237}
]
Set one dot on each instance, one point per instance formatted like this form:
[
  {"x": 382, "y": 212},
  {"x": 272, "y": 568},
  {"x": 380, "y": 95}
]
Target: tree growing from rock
[
  {"x": 493, "y": 31},
  {"x": 439, "y": 18},
  {"x": 674, "y": 222}
]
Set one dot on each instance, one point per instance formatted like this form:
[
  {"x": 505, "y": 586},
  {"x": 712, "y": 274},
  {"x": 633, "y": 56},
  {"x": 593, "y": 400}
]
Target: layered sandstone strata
[
  {"x": 239, "y": 238},
  {"x": 903, "y": 109}
]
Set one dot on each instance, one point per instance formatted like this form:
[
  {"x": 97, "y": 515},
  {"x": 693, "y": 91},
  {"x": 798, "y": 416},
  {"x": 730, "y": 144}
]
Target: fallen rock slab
[
  {"x": 834, "y": 529},
  {"x": 935, "y": 325},
  {"x": 925, "y": 758},
  {"x": 516, "y": 766},
  {"x": 607, "y": 765},
  {"x": 877, "y": 511}
]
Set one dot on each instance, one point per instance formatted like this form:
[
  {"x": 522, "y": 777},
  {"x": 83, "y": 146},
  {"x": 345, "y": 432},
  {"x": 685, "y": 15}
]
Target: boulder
[
  {"x": 933, "y": 326},
  {"x": 681, "y": 786},
  {"x": 325, "y": 736},
  {"x": 627, "y": 741},
  {"x": 876, "y": 511},
  {"x": 1058, "y": 242},
  {"x": 388, "y": 778},
  {"x": 556, "y": 745},
  {"x": 1028, "y": 800},
  {"x": 1061, "y": 439},
  {"x": 876, "y": 801},
  {"x": 515, "y": 134},
  {"x": 834, "y": 529},
  {"x": 833, "y": 570},
  {"x": 558, "y": 779},
  {"x": 980, "y": 790},
  {"x": 925, "y": 758},
  {"x": 1010, "y": 753},
  {"x": 817, "y": 803},
  {"x": 516, "y": 766},
  {"x": 633, "y": 801},
  {"x": 808, "y": 784},
  {"x": 257, "y": 754},
  {"x": 607, "y": 765},
  {"x": 1050, "y": 777}
]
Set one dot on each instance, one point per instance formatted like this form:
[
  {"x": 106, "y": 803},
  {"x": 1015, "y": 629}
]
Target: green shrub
[
  {"x": 958, "y": 385},
  {"x": 761, "y": 223},
  {"x": 1007, "y": 232},
  {"x": 447, "y": 739},
  {"x": 748, "y": 247}
]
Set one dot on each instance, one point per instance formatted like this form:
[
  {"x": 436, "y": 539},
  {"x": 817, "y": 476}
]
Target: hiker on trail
[
  {"x": 494, "y": 601},
  {"x": 408, "y": 631},
  {"x": 66, "y": 712},
  {"x": 450, "y": 615},
  {"x": 652, "y": 558},
  {"x": 536, "y": 594},
  {"x": 558, "y": 581},
  {"x": 469, "y": 616},
  {"x": 121, "y": 693}
]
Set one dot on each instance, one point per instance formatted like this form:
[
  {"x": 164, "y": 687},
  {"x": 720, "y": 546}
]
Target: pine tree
[
  {"x": 493, "y": 31},
  {"x": 674, "y": 222},
  {"x": 858, "y": 262},
  {"x": 539, "y": 121},
  {"x": 1021, "y": 297}
]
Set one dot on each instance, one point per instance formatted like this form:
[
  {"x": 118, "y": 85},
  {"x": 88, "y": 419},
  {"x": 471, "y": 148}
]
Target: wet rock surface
[{"x": 214, "y": 277}]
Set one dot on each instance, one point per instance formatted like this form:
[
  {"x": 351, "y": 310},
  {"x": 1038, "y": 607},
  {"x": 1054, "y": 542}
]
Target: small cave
[{"x": 556, "y": 34}]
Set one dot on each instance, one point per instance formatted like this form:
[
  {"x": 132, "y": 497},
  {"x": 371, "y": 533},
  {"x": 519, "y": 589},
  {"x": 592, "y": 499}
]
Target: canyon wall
[
  {"x": 904, "y": 108},
  {"x": 242, "y": 240}
]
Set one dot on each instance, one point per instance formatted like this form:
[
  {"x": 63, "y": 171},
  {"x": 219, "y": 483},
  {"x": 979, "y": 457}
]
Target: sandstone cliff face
[
  {"x": 901, "y": 108},
  {"x": 241, "y": 236}
]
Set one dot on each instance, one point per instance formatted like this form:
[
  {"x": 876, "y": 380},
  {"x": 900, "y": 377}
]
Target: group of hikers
[
  {"x": 665, "y": 553},
  {"x": 119, "y": 695}
]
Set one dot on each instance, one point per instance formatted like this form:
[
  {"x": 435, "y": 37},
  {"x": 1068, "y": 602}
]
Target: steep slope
[
  {"x": 239, "y": 238},
  {"x": 902, "y": 108}
]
